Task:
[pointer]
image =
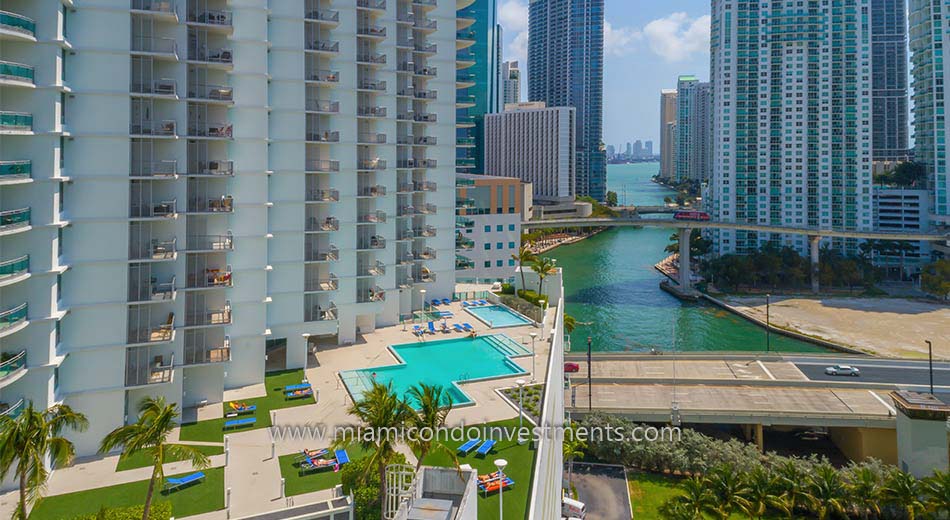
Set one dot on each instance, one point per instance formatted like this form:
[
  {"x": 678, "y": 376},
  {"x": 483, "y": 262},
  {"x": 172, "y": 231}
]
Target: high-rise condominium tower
[
  {"x": 200, "y": 191},
  {"x": 566, "y": 68},
  {"x": 694, "y": 124},
  {"x": 511, "y": 82},
  {"x": 928, "y": 39},
  {"x": 667, "y": 134},
  {"x": 889, "y": 80},
  {"x": 792, "y": 122},
  {"x": 479, "y": 44}
]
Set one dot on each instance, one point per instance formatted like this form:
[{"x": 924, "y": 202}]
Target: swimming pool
[
  {"x": 498, "y": 316},
  {"x": 442, "y": 362}
]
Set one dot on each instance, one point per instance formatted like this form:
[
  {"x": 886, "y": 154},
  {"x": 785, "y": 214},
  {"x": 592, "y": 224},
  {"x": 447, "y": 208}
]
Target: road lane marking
[
  {"x": 882, "y": 401},
  {"x": 767, "y": 372}
]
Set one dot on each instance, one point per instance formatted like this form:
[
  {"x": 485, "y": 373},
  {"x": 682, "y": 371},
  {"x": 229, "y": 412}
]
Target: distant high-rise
[
  {"x": 566, "y": 68},
  {"x": 648, "y": 148},
  {"x": 694, "y": 126},
  {"x": 792, "y": 120},
  {"x": 629, "y": 150},
  {"x": 667, "y": 133},
  {"x": 511, "y": 82},
  {"x": 611, "y": 151},
  {"x": 637, "y": 149},
  {"x": 889, "y": 80},
  {"x": 931, "y": 76}
]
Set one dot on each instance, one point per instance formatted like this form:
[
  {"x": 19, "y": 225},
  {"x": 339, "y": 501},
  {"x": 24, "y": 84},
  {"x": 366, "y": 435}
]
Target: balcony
[
  {"x": 140, "y": 372},
  {"x": 324, "y": 46},
  {"x": 15, "y": 122},
  {"x": 370, "y": 243},
  {"x": 404, "y": 188},
  {"x": 328, "y": 224},
  {"x": 327, "y": 16},
  {"x": 209, "y": 317},
  {"x": 210, "y": 278},
  {"x": 161, "y": 209},
  {"x": 377, "y": 190},
  {"x": 17, "y": 24},
  {"x": 430, "y": 72},
  {"x": 404, "y": 234},
  {"x": 424, "y": 232},
  {"x": 318, "y": 313},
  {"x": 317, "y": 136},
  {"x": 465, "y": 162},
  {"x": 425, "y": 5},
  {"x": 15, "y": 73},
  {"x": 157, "y": 47},
  {"x": 464, "y": 203},
  {"x": 423, "y": 277},
  {"x": 325, "y": 284},
  {"x": 211, "y": 18},
  {"x": 219, "y": 56},
  {"x": 372, "y": 84},
  {"x": 426, "y": 209},
  {"x": 323, "y": 195},
  {"x": 166, "y": 128},
  {"x": 373, "y": 217},
  {"x": 426, "y": 95},
  {"x": 371, "y": 164},
  {"x": 464, "y": 101},
  {"x": 371, "y": 31},
  {"x": 324, "y": 76},
  {"x": 404, "y": 282},
  {"x": 211, "y": 93},
  {"x": 11, "y": 365},
  {"x": 465, "y": 142},
  {"x": 323, "y": 106},
  {"x": 425, "y": 140},
  {"x": 462, "y": 263},
  {"x": 322, "y": 166},
  {"x": 12, "y": 410},
  {"x": 323, "y": 254},
  {"x": 166, "y": 7},
  {"x": 405, "y": 17},
  {"x": 464, "y": 223},
  {"x": 162, "y": 169},
  {"x": 465, "y": 122},
  {"x": 373, "y": 294},
  {"x": 424, "y": 186},
  {"x": 14, "y": 219},
  {"x": 376, "y": 269},
  {"x": 424, "y": 254},
  {"x": 376, "y": 5},
  {"x": 371, "y": 111},
  {"x": 154, "y": 250},
  {"x": 424, "y": 118},
  {"x": 222, "y": 204},
  {"x": 462, "y": 182},
  {"x": 158, "y": 334},
  {"x": 371, "y": 138},
  {"x": 211, "y": 130},
  {"x": 371, "y": 58},
  {"x": 425, "y": 48},
  {"x": 425, "y": 25},
  {"x": 213, "y": 168},
  {"x": 203, "y": 355},
  {"x": 209, "y": 243},
  {"x": 464, "y": 60},
  {"x": 165, "y": 87},
  {"x": 149, "y": 291},
  {"x": 13, "y": 268},
  {"x": 416, "y": 163},
  {"x": 15, "y": 171},
  {"x": 465, "y": 243}
]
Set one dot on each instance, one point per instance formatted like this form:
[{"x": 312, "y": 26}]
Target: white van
[{"x": 571, "y": 508}]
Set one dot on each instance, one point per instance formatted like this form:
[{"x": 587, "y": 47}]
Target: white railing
[{"x": 545, "y": 502}]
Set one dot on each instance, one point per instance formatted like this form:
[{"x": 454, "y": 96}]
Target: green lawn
[
  {"x": 648, "y": 492},
  {"x": 203, "y": 497},
  {"x": 213, "y": 430},
  {"x": 141, "y": 460},
  {"x": 297, "y": 483},
  {"x": 520, "y": 465}
]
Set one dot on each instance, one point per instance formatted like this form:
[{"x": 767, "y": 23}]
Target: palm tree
[
  {"x": 569, "y": 323},
  {"x": 573, "y": 448},
  {"x": 524, "y": 256},
  {"x": 791, "y": 480},
  {"x": 728, "y": 490},
  {"x": 696, "y": 499},
  {"x": 903, "y": 490},
  {"x": 826, "y": 492},
  {"x": 380, "y": 410},
  {"x": 542, "y": 266},
  {"x": 434, "y": 406},
  {"x": 937, "y": 487},
  {"x": 28, "y": 441},
  {"x": 762, "y": 485},
  {"x": 149, "y": 435},
  {"x": 866, "y": 491}
]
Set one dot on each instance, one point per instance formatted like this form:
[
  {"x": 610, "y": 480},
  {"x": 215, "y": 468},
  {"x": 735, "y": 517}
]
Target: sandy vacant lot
[{"x": 889, "y": 327}]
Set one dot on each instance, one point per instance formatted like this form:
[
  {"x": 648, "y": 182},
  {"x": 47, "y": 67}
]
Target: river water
[{"x": 612, "y": 289}]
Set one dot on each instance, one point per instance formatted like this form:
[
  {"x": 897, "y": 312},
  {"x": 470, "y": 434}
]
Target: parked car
[
  {"x": 571, "y": 368},
  {"x": 571, "y": 508},
  {"x": 842, "y": 370}
]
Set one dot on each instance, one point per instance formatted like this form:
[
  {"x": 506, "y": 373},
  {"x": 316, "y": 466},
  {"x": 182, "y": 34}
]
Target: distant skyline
[{"x": 647, "y": 46}]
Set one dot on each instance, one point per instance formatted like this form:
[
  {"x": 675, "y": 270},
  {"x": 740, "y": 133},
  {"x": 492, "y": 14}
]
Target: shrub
[
  {"x": 159, "y": 511},
  {"x": 363, "y": 482},
  {"x": 507, "y": 288},
  {"x": 533, "y": 297}
]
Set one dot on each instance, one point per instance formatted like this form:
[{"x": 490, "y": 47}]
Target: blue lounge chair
[
  {"x": 176, "y": 483},
  {"x": 311, "y": 454},
  {"x": 431, "y": 327},
  {"x": 446, "y": 301},
  {"x": 242, "y": 408},
  {"x": 466, "y": 304},
  {"x": 457, "y": 328},
  {"x": 434, "y": 303},
  {"x": 301, "y": 392},
  {"x": 301, "y": 386},
  {"x": 486, "y": 447},
  {"x": 494, "y": 485},
  {"x": 483, "y": 302},
  {"x": 468, "y": 327},
  {"x": 342, "y": 457},
  {"x": 468, "y": 446},
  {"x": 237, "y": 423},
  {"x": 417, "y": 330},
  {"x": 446, "y": 314}
]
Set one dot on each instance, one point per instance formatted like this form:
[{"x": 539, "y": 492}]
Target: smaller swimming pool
[{"x": 498, "y": 316}]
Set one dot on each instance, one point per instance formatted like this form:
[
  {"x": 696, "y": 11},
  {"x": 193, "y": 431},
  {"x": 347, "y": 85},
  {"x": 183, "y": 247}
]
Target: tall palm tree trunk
[
  {"x": 148, "y": 495},
  {"x": 382, "y": 487},
  {"x": 22, "y": 509},
  {"x": 523, "y": 286}
]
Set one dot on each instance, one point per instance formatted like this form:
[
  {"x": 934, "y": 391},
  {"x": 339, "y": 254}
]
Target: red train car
[{"x": 691, "y": 215}]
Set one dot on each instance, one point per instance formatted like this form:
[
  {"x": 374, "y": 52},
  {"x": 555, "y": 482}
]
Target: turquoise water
[
  {"x": 443, "y": 363},
  {"x": 497, "y": 316},
  {"x": 612, "y": 289}
]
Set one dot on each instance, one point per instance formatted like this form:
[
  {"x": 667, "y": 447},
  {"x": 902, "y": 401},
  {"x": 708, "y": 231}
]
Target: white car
[{"x": 843, "y": 370}]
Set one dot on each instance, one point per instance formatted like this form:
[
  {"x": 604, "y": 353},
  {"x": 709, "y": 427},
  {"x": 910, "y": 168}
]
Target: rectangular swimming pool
[
  {"x": 498, "y": 316},
  {"x": 444, "y": 363}
]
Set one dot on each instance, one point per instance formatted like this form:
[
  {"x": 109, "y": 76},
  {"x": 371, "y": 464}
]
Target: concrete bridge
[{"x": 687, "y": 226}]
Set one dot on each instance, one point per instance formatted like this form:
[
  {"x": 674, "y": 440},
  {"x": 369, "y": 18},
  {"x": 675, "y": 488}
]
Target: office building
[
  {"x": 667, "y": 134},
  {"x": 511, "y": 83},
  {"x": 566, "y": 68},
  {"x": 534, "y": 143},
  {"x": 611, "y": 152},
  {"x": 792, "y": 121},
  {"x": 478, "y": 44},
  {"x": 928, "y": 39},
  {"x": 889, "y": 93},
  {"x": 648, "y": 148},
  {"x": 694, "y": 129},
  {"x": 628, "y": 151},
  {"x": 244, "y": 180},
  {"x": 899, "y": 209},
  {"x": 637, "y": 149},
  {"x": 488, "y": 228}
]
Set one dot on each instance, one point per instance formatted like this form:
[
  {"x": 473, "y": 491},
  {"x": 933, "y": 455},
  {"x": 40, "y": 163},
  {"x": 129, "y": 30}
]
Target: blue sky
[{"x": 647, "y": 44}]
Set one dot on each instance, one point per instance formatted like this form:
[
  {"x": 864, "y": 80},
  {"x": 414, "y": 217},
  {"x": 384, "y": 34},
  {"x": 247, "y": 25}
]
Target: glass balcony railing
[
  {"x": 462, "y": 263},
  {"x": 222, "y": 204},
  {"x": 221, "y": 56},
  {"x": 10, "y": 364},
  {"x": 425, "y": 24},
  {"x": 160, "y": 209},
  {"x": 18, "y": 23},
  {"x": 158, "y": 87},
  {"x": 211, "y": 17},
  {"x": 210, "y": 278},
  {"x": 316, "y": 283},
  {"x": 323, "y": 224},
  {"x": 424, "y": 186},
  {"x": 151, "y": 290},
  {"x": 371, "y": 111},
  {"x": 423, "y": 277},
  {"x": 317, "y": 136},
  {"x": 323, "y": 254},
  {"x": 166, "y": 128},
  {"x": 371, "y": 164},
  {"x": 211, "y": 92},
  {"x": 372, "y": 217},
  {"x": 16, "y": 71},
  {"x": 376, "y": 31},
  {"x": 424, "y": 231},
  {"x": 463, "y": 242},
  {"x": 210, "y": 242},
  {"x": 14, "y": 218},
  {"x": 18, "y": 121},
  {"x": 15, "y": 170},
  {"x": 141, "y": 372},
  {"x": 320, "y": 313},
  {"x": 152, "y": 334},
  {"x": 373, "y": 242},
  {"x": 377, "y": 190},
  {"x": 203, "y": 354},
  {"x": 322, "y": 166},
  {"x": 371, "y": 57},
  {"x": 155, "y": 45},
  {"x": 371, "y": 294},
  {"x": 202, "y": 317},
  {"x": 323, "y": 15},
  {"x": 424, "y": 47},
  {"x": 371, "y": 138},
  {"x": 425, "y": 71},
  {"x": 13, "y": 317},
  {"x": 324, "y": 46},
  {"x": 15, "y": 267},
  {"x": 217, "y": 130},
  {"x": 424, "y": 254},
  {"x": 462, "y": 222},
  {"x": 323, "y": 195},
  {"x": 369, "y": 84},
  {"x": 153, "y": 249},
  {"x": 371, "y": 4},
  {"x": 322, "y": 105},
  {"x": 166, "y": 168},
  {"x": 154, "y": 6},
  {"x": 212, "y": 167},
  {"x": 324, "y": 76},
  {"x": 12, "y": 410}
]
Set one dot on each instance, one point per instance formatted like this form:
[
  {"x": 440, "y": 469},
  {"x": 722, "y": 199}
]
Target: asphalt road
[
  {"x": 603, "y": 490},
  {"x": 898, "y": 372}
]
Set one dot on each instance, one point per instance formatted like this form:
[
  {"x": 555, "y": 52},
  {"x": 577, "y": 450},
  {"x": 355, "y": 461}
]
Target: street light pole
[
  {"x": 930, "y": 356},
  {"x": 590, "y": 389},
  {"x": 533, "y": 335},
  {"x": 768, "y": 323},
  {"x": 520, "y": 384},
  {"x": 500, "y": 464}
]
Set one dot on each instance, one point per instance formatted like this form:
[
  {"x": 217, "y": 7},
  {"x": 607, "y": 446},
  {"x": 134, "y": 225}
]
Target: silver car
[{"x": 843, "y": 370}]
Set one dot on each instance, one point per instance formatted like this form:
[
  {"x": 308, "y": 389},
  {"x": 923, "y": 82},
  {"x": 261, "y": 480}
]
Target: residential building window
[
  {"x": 487, "y": 263},
  {"x": 487, "y": 246},
  {"x": 498, "y": 263},
  {"x": 511, "y": 245},
  {"x": 511, "y": 227},
  {"x": 488, "y": 229},
  {"x": 499, "y": 228}
]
